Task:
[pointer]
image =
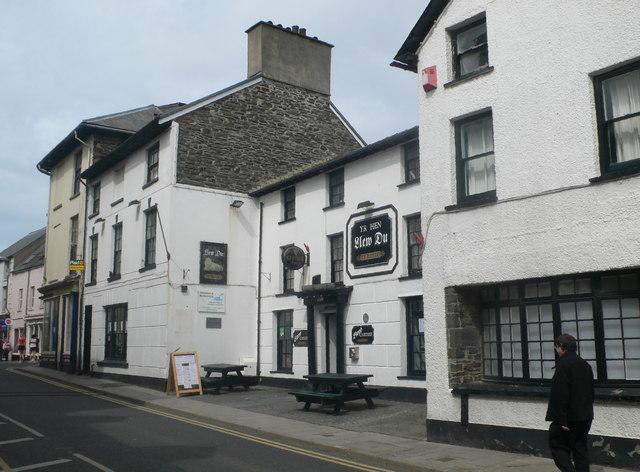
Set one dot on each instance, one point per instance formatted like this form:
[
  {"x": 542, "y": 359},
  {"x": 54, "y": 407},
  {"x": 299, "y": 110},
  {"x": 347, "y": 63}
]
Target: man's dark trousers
[{"x": 565, "y": 444}]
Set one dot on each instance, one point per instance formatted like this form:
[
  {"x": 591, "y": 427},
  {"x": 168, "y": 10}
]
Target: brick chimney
[{"x": 288, "y": 55}]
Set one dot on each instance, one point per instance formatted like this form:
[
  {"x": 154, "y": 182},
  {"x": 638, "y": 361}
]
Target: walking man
[{"x": 570, "y": 407}]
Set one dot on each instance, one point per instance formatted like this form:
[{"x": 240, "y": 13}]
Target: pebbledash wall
[
  {"x": 548, "y": 220},
  {"x": 376, "y": 300}
]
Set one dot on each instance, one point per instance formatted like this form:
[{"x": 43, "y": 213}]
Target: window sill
[
  {"x": 411, "y": 276},
  {"x": 288, "y": 372},
  {"x": 113, "y": 278},
  {"x": 57, "y": 207},
  {"x": 412, "y": 377},
  {"x": 619, "y": 175},
  {"x": 331, "y": 207},
  {"x": 287, "y": 221},
  {"x": 93, "y": 215},
  {"x": 90, "y": 284},
  {"x": 285, "y": 294},
  {"x": 117, "y": 202},
  {"x": 75, "y": 195},
  {"x": 408, "y": 184},
  {"x": 108, "y": 363},
  {"x": 476, "y": 202},
  {"x": 540, "y": 391},
  {"x": 147, "y": 267},
  {"x": 149, "y": 184},
  {"x": 472, "y": 75}
]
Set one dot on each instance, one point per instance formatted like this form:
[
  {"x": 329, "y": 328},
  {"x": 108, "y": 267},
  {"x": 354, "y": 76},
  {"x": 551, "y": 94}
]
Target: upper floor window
[
  {"x": 73, "y": 237},
  {"x": 33, "y": 296},
  {"x": 470, "y": 49},
  {"x": 117, "y": 249},
  {"x": 93, "y": 269},
  {"x": 95, "y": 198},
  {"x": 411, "y": 156},
  {"x": 414, "y": 249},
  {"x": 337, "y": 257},
  {"x": 288, "y": 276},
  {"x": 289, "y": 203},
  {"x": 336, "y": 187},
  {"x": 77, "y": 170},
  {"x": 150, "y": 238},
  {"x": 152, "y": 163},
  {"x": 618, "y": 98},
  {"x": 20, "y": 293},
  {"x": 476, "y": 176}
]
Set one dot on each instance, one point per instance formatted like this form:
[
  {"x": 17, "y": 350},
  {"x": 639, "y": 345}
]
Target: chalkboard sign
[
  {"x": 362, "y": 334},
  {"x": 213, "y": 263},
  {"x": 300, "y": 338},
  {"x": 371, "y": 241},
  {"x": 184, "y": 373}
]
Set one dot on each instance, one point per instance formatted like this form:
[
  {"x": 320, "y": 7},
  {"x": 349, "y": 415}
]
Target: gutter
[{"x": 259, "y": 324}]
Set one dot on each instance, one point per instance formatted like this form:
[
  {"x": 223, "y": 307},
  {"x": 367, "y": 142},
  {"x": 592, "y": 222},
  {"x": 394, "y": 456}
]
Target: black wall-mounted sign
[
  {"x": 213, "y": 263},
  {"x": 214, "y": 323},
  {"x": 300, "y": 338},
  {"x": 293, "y": 257},
  {"x": 362, "y": 334},
  {"x": 371, "y": 241}
]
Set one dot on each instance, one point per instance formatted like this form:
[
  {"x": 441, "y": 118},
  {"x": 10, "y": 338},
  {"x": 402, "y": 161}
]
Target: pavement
[{"x": 391, "y": 434}]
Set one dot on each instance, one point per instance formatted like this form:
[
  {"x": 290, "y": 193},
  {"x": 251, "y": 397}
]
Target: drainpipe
[{"x": 259, "y": 292}]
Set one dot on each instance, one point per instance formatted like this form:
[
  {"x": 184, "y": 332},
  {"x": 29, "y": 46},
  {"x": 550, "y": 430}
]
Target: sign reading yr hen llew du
[{"x": 371, "y": 241}]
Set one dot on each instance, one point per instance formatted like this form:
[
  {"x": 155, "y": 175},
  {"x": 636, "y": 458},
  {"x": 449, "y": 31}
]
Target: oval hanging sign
[
  {"x": 293, "y": 258},
  {"x": 8, "y": 321}
]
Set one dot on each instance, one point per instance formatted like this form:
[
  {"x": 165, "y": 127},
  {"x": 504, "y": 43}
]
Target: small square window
[{"x": 470, "y": 48}]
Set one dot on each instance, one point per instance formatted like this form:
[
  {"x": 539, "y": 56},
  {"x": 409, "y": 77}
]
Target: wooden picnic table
[
  {"x": 226, "y": 380},
  {"x": 336, "y": 389}
]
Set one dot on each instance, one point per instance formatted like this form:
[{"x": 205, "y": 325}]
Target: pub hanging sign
[
  {"x": 371, "y": 241},
  {"x": 213, "y": 263}
]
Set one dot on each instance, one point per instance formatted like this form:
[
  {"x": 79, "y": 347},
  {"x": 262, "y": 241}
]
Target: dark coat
[{"x": 571, "y": 396}]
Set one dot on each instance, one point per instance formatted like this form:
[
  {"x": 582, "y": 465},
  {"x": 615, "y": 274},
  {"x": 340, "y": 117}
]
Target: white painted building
[
  {"x": 530, "y": 149},
  {"x": 377, "y": 289}
]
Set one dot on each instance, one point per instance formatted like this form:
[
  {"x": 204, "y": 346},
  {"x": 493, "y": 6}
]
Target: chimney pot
[
  {"x": 303, "y": 32},
  {"x": 294, "y": 28}
]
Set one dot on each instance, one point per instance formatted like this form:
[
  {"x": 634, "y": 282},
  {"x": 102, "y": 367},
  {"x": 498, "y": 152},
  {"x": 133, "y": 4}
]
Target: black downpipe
[{"x": 259, "y": 292}]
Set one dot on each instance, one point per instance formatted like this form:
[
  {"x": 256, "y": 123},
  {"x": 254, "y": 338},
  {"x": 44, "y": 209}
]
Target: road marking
[
  {"x": 41, "y": 465},
  {"x": 92, "y": 462},
  {"x": 227, "y": 431},
  {"x": 5, "y": 466},
  {"x": 11, "y": 441},
  {"x": 25, "y": 427}
]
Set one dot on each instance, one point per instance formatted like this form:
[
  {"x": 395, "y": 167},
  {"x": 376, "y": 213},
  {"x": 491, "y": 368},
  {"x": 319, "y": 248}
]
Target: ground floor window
[
  {"x": 602, "y": 311},
  {"x": 284, "y": 320},
  {"x": 115, "y": 345},
  {"x": 50, "y": 325},
  {"x": 415, "y": 337}
]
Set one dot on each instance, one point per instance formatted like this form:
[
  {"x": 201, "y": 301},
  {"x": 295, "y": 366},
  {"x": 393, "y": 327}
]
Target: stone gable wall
[{"x": 256, "y": 134}]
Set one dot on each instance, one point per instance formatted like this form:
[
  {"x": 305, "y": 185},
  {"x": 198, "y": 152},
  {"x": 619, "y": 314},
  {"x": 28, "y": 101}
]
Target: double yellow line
[{"x": 219, "y": 429}]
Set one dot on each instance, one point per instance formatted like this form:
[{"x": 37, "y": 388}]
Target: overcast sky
[{"x": 64, "y": 61}]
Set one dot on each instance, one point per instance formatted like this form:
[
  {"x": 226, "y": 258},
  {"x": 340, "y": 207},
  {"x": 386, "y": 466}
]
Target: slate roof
[
  {"x": 123, "y": 123},
  {"x": 23, "y": 243},
  {"x": 406, "y": 57},
  {"x": 326, "y": 166},
  {"x": 35, "y": 259}
]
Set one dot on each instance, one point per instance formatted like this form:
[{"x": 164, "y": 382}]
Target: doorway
[
  {"x": 86, "y": 341},
  {"x": 330, "y": 343}
]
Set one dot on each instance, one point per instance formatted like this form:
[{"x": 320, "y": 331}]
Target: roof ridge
[{"x": 121, "y": 113}]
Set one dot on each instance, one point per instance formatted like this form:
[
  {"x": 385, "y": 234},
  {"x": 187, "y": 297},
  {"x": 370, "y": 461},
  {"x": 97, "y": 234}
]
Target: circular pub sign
[
  {"x": 8, "y": 321},
  {"x": 293, "y": 257}
]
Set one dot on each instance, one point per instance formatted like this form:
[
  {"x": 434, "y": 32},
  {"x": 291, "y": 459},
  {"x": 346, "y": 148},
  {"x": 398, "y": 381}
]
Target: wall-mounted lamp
[
  {"x": 99, "y": 220},
  {"x": 236, "y": 204},
  {"x": 134, "y": 202},
  {"x": 365, "y": 204}
]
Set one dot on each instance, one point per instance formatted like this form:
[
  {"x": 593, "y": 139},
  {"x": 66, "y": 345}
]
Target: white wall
[
  {"x": 545, "y": 138},
  {"x": 375, "y": 178}
]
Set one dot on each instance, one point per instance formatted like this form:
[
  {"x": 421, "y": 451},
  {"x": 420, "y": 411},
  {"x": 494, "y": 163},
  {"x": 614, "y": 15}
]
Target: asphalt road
[{"x": 48, "y": 427}]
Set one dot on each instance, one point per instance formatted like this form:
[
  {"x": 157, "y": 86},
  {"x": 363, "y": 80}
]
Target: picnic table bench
[
  {"x": 336, "y": 389},
  {"x": 226, "y": 380}
]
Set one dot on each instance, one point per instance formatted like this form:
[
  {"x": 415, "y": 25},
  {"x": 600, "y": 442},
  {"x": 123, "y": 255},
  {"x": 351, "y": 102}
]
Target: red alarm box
[{"x": 429, "y": 78}]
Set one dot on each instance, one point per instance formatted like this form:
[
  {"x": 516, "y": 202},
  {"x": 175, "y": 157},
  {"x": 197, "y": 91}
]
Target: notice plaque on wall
[
  {"x": 371, "y": 241},
  {"x": 213, "y": 263},
  {"x": 300, "y": 338},
  {"x": 362, "y": 334},
  {"x": 209, "y": 302}
]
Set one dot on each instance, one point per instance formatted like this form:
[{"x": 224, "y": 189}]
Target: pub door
[{"x": 330, "y": 351}]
